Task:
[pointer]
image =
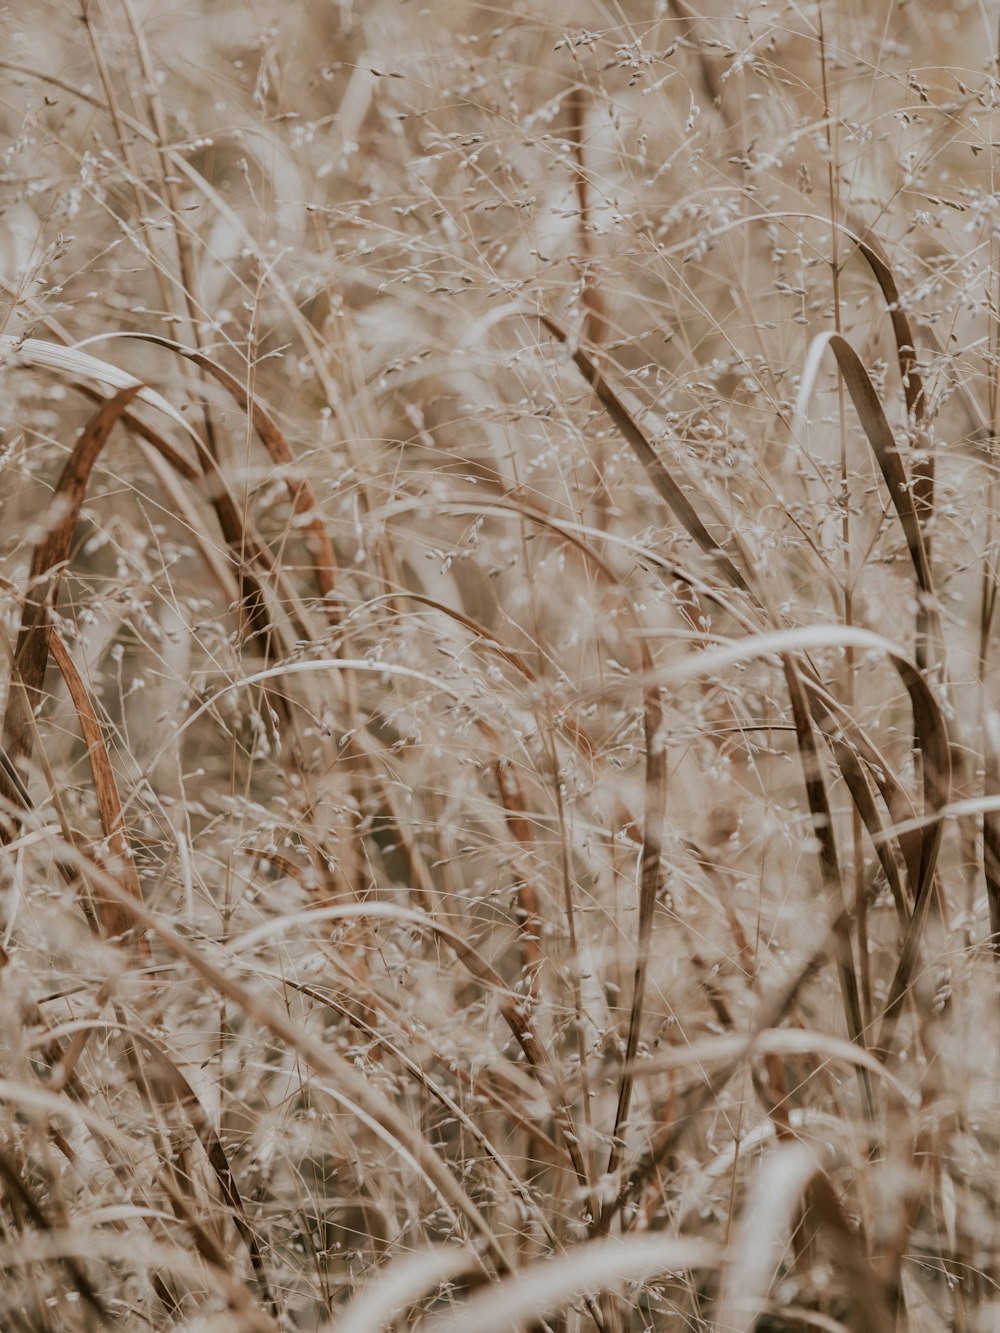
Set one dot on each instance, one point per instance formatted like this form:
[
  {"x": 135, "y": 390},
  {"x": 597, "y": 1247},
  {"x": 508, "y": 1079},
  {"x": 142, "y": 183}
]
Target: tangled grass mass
[{"x": 499, "y": 565}]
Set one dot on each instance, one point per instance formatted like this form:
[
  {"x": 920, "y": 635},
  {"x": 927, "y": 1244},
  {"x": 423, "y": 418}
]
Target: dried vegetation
[{"x": 500, "y": 789}]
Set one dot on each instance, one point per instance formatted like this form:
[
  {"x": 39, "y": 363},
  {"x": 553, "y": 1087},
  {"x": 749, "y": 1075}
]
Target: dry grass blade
[
  {"x": 854, "y": 776},
  {"x": 78, "y": 365},
  {"x": 178, "y": 461},
  {"x": 873, "y": 252},
  {"x": 595, "y": 317},
  {"x": 303, "y": 499},
  {"x": 790, "y": 1177},
  {"x": 487, "y": 638},
  {"x": 916, "y": 398},
  {"x": 872, "y": 1300},
  {"x": 519, "y": 825},
  {"x": 31, "y": 1100},
  {"x": 823, "y": 830},
  {"x": 387, "y": 1297},
  {"x": 991, "y": 827},
  {"x": 590, "y": 1268},
  {"x": 669, "y": 489},
  {"x": 838, "y": 726},
  {"x": 775, "y": 1041},
  {"x": 22, "y": 1200},
  {"x": 880, "y": 437},
  {"x": 52, "y": 551},
  {"x": 109, "y": 804},
  {"x": 769, "y": 1214},
  {"x": 931, "y": 732},
  {"x": 650, "y": 884},
  {"x": 928, "y": 718}
]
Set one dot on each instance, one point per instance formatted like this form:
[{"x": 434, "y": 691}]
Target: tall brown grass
[{"x": 500, "y": 779}]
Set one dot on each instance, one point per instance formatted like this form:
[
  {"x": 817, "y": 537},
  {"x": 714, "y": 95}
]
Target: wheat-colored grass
[{"x": 500, "y": 765}]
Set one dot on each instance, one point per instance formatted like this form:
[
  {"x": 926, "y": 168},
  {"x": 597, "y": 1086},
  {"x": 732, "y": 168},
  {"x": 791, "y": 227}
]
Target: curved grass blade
[
  {"x": 790, "y": 1178},
  {"x": 555, "y": 1281},
  {"x": 931, "y": 737},
  {"x": 928, "y": 718},
  {"x": 180, "y": 1090},
  {"x": 931, "y": 733},
  {"x": 359, "y": 1096},
  {"x": 650, "y": 883},
  {"x": 822, "y": 820},
  {"x": 880, "y": 437},
  {"x": 44, "y": 355},
  {"x": 32, "y": 653},
  {"x": 663, "y": 481},
  {"x": 851, "y": 769},
  {"x": 836, "y": 723},
  {"x": 303, "y": 498},
  {"x": 109, "y": 804},
  {"x": 873, "y": 252}
]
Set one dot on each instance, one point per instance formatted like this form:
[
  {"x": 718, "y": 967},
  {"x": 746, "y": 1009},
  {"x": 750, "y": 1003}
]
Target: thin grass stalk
[
  {"x": 823, "y": 831},
  {"x": 991, "y": 828},
  {"x": 833, "y": 168},
  {"x": 650, "y": 885}
]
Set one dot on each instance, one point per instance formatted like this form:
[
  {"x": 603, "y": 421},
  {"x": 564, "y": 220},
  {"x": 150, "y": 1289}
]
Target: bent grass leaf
[
  {"x": 357, "y": 1093},
  {"x": 52, "y": 551},
  {"x": 109, "y": 803},
  {"x": 303, "y": 498},
  {"x": 932, "y": 734},
  {"x": 544, "y": 1288},
  {"x": 880, "y": 437},
  {"x": 670, "y": 490}
]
